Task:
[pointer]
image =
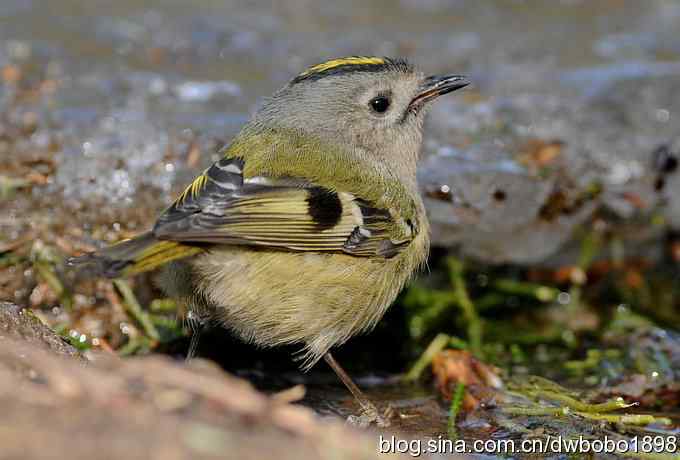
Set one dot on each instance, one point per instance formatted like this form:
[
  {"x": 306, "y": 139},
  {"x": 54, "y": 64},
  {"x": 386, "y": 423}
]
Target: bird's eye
[{"x": 380, "y": 104}]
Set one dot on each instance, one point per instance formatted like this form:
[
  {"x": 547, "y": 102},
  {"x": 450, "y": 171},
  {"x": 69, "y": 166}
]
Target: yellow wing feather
[{"x": 194, "y": 188}]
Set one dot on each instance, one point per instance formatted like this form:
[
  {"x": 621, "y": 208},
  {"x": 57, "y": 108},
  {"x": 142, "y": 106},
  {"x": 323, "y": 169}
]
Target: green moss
[
  {"x": 551, "y": 399},
  {"x": 134, "y": 308},
  {"x": 438, "y": 344}
]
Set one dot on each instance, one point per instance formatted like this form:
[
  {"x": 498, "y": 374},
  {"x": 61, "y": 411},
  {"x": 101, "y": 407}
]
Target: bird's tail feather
[{"x": 136, "y": 255}]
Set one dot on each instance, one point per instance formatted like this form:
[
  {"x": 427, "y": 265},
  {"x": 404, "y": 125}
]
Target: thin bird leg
[
  {"x": 366, "y": 405},
  {"x": 196, "y": 327},
  {"x": 193, "y": 344}
]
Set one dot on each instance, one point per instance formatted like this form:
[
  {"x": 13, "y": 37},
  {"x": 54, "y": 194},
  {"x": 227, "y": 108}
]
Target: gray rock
[{"x": 18, "y": 323}]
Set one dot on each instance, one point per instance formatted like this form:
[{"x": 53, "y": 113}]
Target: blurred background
[{"x": 551, "y": 182}]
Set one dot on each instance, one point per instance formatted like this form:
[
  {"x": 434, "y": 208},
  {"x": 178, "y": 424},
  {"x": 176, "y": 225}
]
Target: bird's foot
[{"x": 370, "y": 415}]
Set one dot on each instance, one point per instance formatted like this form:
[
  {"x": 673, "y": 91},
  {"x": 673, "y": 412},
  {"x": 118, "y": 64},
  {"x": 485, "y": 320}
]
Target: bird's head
[{"x": 372, "y": 105}]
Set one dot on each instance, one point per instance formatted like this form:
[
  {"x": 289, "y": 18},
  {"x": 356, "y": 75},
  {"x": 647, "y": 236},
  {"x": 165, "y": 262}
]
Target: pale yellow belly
[{"x": 319, "y": 300}]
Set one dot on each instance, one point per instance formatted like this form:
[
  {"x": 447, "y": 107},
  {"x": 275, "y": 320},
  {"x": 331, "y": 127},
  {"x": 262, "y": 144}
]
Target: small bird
[{"x": 310, "y": 224}]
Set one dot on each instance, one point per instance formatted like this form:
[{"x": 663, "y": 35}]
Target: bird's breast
[{"x": 277, "y": 297}]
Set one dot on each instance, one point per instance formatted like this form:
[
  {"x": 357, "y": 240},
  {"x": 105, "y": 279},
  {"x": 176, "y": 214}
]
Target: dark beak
[{"x": 435, "y": 86}]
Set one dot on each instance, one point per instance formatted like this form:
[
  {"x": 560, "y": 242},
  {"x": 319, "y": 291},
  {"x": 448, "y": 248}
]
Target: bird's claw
[{"x": 370, "y": 415}]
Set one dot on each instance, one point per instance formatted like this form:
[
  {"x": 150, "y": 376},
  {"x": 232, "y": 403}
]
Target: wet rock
[
  {"x": 646, "y": 371},
  {"x": 496, "y": 210},
  {"x": 18, "y": 323},
  {"x": 609, "y": 143}
]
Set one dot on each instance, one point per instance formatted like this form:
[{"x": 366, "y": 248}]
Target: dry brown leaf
[
  {"x": 451, "y": 367},
  {"x": 537, "y": 153}
]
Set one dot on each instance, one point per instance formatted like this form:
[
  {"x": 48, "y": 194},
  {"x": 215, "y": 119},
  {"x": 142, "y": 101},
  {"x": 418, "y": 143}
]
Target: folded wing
[{"x": 220, "y": 207}]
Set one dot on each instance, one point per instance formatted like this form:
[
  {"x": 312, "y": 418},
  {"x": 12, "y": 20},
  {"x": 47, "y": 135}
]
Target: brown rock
[{"x": 146, "y": 408}]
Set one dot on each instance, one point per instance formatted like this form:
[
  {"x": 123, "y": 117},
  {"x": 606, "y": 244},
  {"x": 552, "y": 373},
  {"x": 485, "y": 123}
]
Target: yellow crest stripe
[{"x": 351, "y": 60}]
